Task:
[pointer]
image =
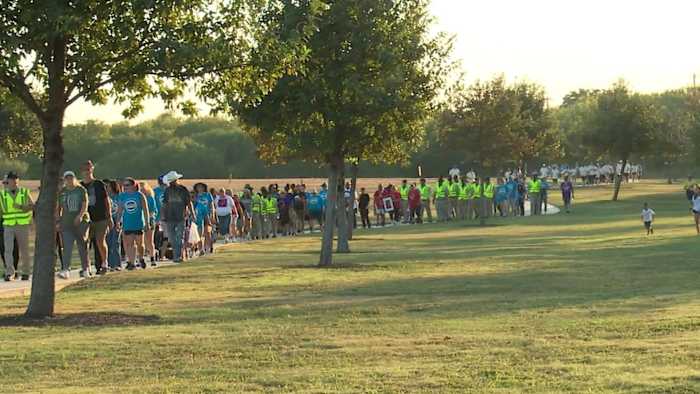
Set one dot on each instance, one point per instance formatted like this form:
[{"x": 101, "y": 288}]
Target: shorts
[
  {"x": 647, "y": 225},
  {"x": 380, "y": 211},
  {"x": 97, "y": 228},
  {"x": 316, "y": 215},
  {"x": 133, "y": 232}
]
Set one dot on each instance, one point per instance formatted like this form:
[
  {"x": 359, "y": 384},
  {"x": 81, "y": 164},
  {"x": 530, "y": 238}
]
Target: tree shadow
[{"x": 83, "y": 319}]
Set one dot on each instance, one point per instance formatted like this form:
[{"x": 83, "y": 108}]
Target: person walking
[
  {"x": 149, "y": 231},
  {"x": 453, "y": 194},
  {"x": 533, "y": 192},
  {"x": 74, "y": 224},
  {"x": 114, "y": 236},
  {"x": 544, "y": 189},
  {"x": 204, "y": 208},
  {"x": 426, "y": 195},
  {"x": 441, "y": 199},
  {"x": 177, "y": 206},
  {"x": 225, "y": 207},
  {"x": 488, "y": 196},
  {"x": 648, "y": 219},
  {"x": 258, "y": 208},
  {"x": 100, "y": 213},
  {"x": 16, "y": 208},
  {"x": 404, "y": 211},
  {"x": 379, "y": 212},
  {"x": 414, "y": 205},
  {"x": 363, "y": 206},
  {"x": 696, "y": 208},
  {"x": 567, "y": 193},
  {"x": 133, "y": 209}
]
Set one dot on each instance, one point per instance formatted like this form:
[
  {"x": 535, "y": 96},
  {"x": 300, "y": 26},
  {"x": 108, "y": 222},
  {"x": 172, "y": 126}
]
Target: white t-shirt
[
  {"x": 224, "y": 205},
  {"x": 648, "y": 215},
  {"x": 696, "y": 203}
]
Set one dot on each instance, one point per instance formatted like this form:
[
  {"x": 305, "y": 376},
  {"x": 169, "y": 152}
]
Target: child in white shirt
[{"x": 648, "y": 218}]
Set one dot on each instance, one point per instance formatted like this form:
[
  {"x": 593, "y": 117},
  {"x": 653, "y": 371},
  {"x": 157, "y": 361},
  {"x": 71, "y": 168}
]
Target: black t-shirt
[
  {"x": 175, "y": 202},
  {"x": 97, "y": 200},
  {"x": 363, "y": 202}
]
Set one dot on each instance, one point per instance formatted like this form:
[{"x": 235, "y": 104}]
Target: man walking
[
  {"x": 533, "y": 192},
  {"x": 177, "y": 205},
  {"x": 363, "y": 206},
  {"x": 425, "y": 196},
  {"x": 100, "y": 210},
  {"x": 16, "y": 207}
]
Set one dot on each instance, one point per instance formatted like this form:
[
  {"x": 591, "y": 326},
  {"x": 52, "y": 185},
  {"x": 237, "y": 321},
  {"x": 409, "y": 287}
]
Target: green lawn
[{"x": 569, "y": 303}]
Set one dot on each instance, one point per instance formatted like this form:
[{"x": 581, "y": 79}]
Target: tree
[
  {"x": 20, "y": 133},
  {"x": 371, "y": 78},
  {"x": 53, "y": 54},
  {"x": 624, "y": 124},
  {"x": 496, "y": 123}
]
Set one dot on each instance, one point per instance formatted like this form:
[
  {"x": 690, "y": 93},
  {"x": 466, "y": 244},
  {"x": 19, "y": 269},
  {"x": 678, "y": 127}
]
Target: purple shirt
[{"x": 567, "y": 188}]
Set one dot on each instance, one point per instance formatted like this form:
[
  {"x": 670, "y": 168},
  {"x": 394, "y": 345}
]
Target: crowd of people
[{"x": 130, "y": 225}]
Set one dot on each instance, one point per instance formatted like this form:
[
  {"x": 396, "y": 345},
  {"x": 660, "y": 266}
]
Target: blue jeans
[
  {"x": 114, "y": 258},
  {"x": 176, "y": 232}
]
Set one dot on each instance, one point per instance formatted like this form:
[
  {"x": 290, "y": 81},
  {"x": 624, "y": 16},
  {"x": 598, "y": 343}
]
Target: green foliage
[
  {"x": 623, "y": 124},
  {"x": 20, "y": 132},
  {"x": 494, "y": 123},
  {"x": 369, "y": 83}
]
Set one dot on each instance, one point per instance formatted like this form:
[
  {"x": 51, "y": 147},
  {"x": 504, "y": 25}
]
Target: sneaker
[
  {"x": 143, "y": 264},
  {"x": 130, "y": 267},
  {"x": 102, "y": 271},
  {"x": 8, "y": 278},
  {"x": 118, "y": 268},
  {"x": 154, "y": 264},
  {"x": 84, "y": 274},
  {"x": 25, "y": 277}
]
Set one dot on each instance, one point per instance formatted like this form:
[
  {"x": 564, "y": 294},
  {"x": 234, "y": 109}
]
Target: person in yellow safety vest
[
  {"x": 454, "y": 195},
  {"x": 258, "y": 208},
  {"x": 478, "y": 192},
  {"x": 441, "y": 199},
  {"x": 533, "y": 193},
  {"x": 489, "y": 189},
  {"x": 271, "y": 214},
  {"x": 469, "y": 189},
  {"x": 16, "y": 208},
  {"x": 462, "y": 199},
  {"x": 403, "y": 191},
  {"x": 425, "y": 195}
]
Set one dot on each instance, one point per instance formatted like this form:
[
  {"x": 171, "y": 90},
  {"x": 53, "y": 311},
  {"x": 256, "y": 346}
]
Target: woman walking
[
  {"x": 149, "y": 231},
  {"x": 114, "y": 236},
  {"x": 74, "y": 223},
  {"x": 133, "y": 209}
]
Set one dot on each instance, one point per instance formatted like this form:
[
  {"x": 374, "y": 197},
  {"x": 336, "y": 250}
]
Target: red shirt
[
  {"x": 413, "y": 198},
  {"x": 378, "y": 201}
]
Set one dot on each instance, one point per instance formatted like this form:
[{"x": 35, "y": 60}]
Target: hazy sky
[{"x": 561, "y": 44}]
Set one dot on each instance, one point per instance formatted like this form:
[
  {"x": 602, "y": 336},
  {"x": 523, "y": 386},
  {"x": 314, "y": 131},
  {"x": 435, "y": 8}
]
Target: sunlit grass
[{"x": 580, "y": 302}]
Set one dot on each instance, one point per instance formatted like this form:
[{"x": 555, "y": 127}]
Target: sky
[{"x": 563, "y": 45}]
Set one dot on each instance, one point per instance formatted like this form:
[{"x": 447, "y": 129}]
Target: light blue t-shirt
[
  {"x": 205, "y": 200},
  {"x": 159, "y": 193},
  {"x": 132, "y": 211},
  {"x": 315, "y": 204}
]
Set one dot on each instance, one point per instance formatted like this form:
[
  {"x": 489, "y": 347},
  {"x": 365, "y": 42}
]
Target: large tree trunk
[
  {"x": 334, "y": 168},
  {"x": 343, "y": 244},
  {"x": 354, "y": 169},
  {"x": 41, "y": 302},
  {"x": 618, "y": 180}
]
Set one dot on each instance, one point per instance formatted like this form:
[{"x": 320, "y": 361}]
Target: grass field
[{"x": 568, "y": 303}]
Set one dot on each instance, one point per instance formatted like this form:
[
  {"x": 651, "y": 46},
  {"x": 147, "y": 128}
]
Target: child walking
[{"x": 648, "y": 218}]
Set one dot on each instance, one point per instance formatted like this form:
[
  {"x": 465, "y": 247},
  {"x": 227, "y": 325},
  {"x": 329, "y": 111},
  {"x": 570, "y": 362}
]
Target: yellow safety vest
[
  {"x": 441, "y": 190},
  {"x": 12, "y": 216},
  {"x": 403, "y": 190},
  {"x": 477, "y": 190},
  {"x": 534, "y": 186},
  {"x": 271, "y": 206},
  {"x": 424, "y": 192},
  {"x": 258, "y": 204},
  {"x": 488, "y": 190},
  {"x": 463, "y": 191},
  {"x": 454, "y": 190}
]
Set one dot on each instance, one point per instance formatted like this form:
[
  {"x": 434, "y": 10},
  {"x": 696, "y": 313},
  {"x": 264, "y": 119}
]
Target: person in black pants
[
  {"x": 15, "y": 254},
  {"x": 363, "y": 205}
]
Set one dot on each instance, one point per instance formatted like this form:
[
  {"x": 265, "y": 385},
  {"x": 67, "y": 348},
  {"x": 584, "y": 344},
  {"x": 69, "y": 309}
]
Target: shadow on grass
[{"x": 86, "y": 319}]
